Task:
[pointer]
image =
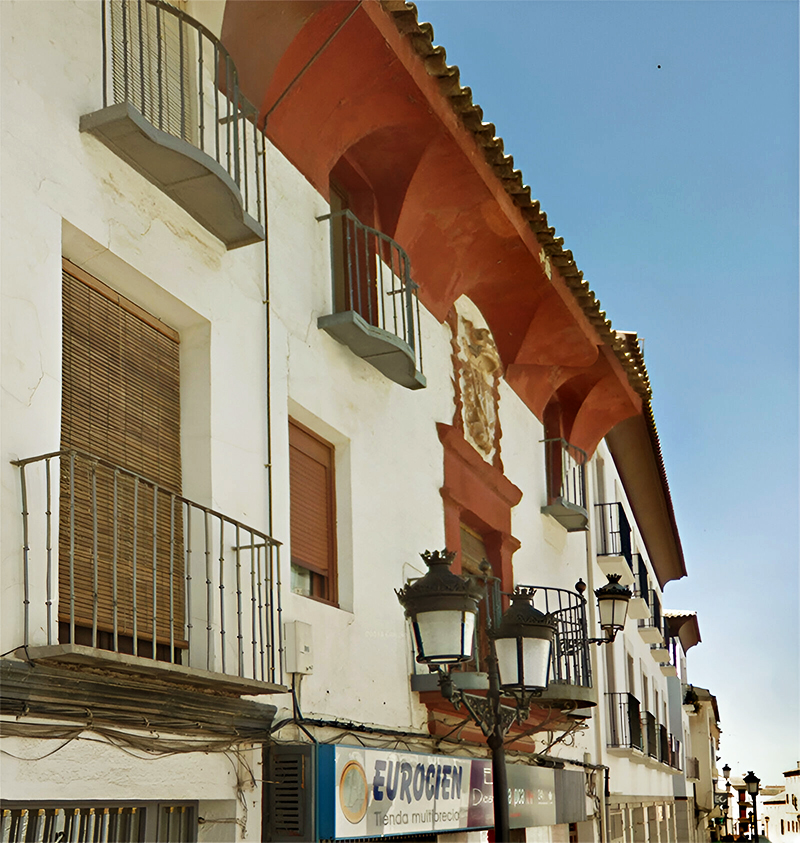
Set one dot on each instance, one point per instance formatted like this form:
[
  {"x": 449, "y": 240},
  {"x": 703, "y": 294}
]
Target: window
[
  {"x": 120, "y": 403},
  {"x": 354, "y": 249},
  {"x": 312, "y": 513}
]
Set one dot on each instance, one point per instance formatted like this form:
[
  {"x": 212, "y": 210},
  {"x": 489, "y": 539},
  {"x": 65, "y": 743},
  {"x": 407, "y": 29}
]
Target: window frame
[{"x": 324, "y": 583}]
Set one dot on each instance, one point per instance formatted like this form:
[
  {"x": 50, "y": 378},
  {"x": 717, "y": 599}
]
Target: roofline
[
  {"x": 404, "y": 15},
  {"x": 624, "y": 345}
]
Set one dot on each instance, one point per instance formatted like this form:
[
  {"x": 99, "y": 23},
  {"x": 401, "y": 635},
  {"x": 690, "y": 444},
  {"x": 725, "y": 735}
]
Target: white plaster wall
[
  {"x": 65, "y": 193},
  {"x": 389, "y": 468},
  {"x": 88, "y": 768}
]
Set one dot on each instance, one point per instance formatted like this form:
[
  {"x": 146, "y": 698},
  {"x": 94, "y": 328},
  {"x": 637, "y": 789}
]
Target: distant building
[{"x": 779, "y": 808}]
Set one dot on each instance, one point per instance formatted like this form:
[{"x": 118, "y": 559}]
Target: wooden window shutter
[
  {"x": 312, "y": 504},
  {"x": 473, "y": 551},
  {"x": 121, "y": 404}
]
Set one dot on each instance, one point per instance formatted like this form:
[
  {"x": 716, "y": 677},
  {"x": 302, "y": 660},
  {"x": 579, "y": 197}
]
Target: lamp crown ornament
[
  {"x": 522, "y": 618},
  {"x": 613, "y": 588},
  {"x": 439, "y": 580}
]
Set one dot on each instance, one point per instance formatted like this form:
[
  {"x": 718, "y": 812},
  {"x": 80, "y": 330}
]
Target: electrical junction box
[{"x": 298, "y": 648}]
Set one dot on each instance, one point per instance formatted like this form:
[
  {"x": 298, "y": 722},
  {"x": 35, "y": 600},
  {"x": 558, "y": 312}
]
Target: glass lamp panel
[
  {"x": 612, "y": 613},
  {"x": 507, "y": 662},
  {"x": 445, "y": 636},
  {"x": 536, "y": 660}
]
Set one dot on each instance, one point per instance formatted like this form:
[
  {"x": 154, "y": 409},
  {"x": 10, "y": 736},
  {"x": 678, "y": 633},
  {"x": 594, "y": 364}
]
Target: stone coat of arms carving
[{"x": 477, "y": 372}]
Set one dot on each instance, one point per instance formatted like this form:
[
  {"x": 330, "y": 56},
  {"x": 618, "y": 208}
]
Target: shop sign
[
  {"x": 366, "y": 792},
  {"x": 382, "y": 793},
  {"x": 531, "y": 796}
]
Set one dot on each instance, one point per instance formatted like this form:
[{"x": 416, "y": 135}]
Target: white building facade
[{"x": 278, "y": 315}]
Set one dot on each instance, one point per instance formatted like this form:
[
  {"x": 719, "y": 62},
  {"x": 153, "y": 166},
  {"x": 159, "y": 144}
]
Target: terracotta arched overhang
[
  {"x": 460, "y": 242},
  {"x": 366, "y": 94},
  {"x": 584, "y": 404},
  {"x": 388, "y": 159}
]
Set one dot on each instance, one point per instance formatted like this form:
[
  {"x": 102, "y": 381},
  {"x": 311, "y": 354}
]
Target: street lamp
[
  {"x": 752, "y": 781},
  {"x": 726, "y": 772},
  {"x": 442, "y": 607},
  {"x": 612, "y": 603}
]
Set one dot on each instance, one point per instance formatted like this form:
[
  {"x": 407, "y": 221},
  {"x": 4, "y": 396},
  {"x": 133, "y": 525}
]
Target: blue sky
[{"x": 676, "y": 188}]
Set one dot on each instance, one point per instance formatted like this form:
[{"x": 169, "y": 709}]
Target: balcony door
[{"x": 121, "y": 574}]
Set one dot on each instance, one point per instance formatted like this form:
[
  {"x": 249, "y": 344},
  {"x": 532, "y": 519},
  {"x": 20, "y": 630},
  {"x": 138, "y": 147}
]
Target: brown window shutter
[
  {"x": 473, "y": 551},
  {"x": 120, "y": 403},
  {"x": 312, "y": 503}
]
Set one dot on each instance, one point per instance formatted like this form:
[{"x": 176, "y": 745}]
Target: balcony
[
  {"x": 692, "y": 769},
  {"x": 122, "y": 574},
  {"x": 172, "y": 109},
  {"x": 375, "y": 300},
  {"x": 651, "y": 629},
  {"x": 639, "y": 606},
  {"x": 566, "y": 485},
  {"x": 624, "y": 727},
  {"x": 660, "y": 747},
  {"x": 614, "y": 554},
  {"x": 570, "y": 665},
  {"x": 651, "y": 746}
]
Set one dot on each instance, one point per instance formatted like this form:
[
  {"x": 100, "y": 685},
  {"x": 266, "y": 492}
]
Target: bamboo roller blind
[{"x": 120, "y": 402}]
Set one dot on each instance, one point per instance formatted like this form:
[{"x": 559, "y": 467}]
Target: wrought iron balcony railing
[
  {"x": 650, "y": 733},
  {"x": 172, "y": 108},
  {"x": 566, "y": 484},
  {"x": 570, "y": 664},
  {"x": 377, "y": 312},
  {"x": 613, "y": 532},
  {"x": 652, "y": 629},
  {"x": 115, "y": 563},
  {"x": 624, "y": 721},
  {"x": 675, "y": 753}
]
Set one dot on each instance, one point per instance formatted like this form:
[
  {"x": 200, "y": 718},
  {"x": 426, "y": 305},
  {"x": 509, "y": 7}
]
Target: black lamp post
[
  {"x": 442, "y": 608},
  {"x": 752, "y": 781},
  {"x": 726, "y": 772}
]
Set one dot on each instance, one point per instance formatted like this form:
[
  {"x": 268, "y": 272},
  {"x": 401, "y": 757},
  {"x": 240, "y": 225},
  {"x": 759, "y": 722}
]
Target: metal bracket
[{"x": 483, "y": 710}]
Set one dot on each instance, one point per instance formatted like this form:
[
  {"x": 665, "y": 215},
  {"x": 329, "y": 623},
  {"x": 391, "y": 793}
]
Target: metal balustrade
[
  {"x": 650, "y": 733},
  {"x": 569, "y": 661},
  {"x": 113, "y": 561},
  {"x": 166, "y": 76},
  {"x": 624, "y": 721},
  {"x": 566, "y": 472},
  {"x": 613, "y": 532},
  {"x": 675, "y": 753},
  {"x": 372, "y": 280}
]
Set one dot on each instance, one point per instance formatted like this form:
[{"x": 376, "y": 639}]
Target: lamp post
[
  {"x": 752, "y": 781},
  {"x": 443, "y": 607},
  {"x": 727, "y": 802},
  {"x": 726, "y": 772}
]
